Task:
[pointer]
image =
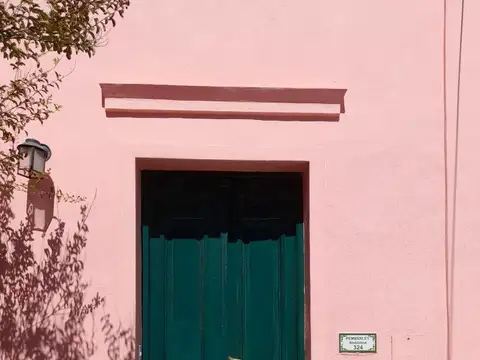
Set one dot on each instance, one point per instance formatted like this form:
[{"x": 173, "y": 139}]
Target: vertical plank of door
[
  {"x": 300, "y": 292},
  {"x": 145, "y": 293},
  {"x": 261, "y": 300},
  {"x": 234, "y": 296},
  {"x": 185, "y": 303},
  {"x": 169, "y": 301},
  {"x": 289, "y": 295},
  {"x": 277, "y": 299},
  {"x": 213, "y": 298},
  {"x": 246, "y": 323},
  {"x": 157, "y": 296}
]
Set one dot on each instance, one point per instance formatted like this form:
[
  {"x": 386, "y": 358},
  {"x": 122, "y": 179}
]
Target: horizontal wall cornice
[{"x": 180, "y": 101}]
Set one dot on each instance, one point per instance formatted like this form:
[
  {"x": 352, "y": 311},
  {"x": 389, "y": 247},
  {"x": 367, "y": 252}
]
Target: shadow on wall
[
  {"x": 44, "y": 309},
  {"x": 40, "y": 202}
]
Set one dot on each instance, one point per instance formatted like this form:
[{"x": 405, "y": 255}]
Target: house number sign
[{"x": 358, "y": 343}]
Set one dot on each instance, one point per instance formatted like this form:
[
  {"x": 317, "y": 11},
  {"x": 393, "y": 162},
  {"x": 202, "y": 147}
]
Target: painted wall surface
[{"x": 377, "y": 202}]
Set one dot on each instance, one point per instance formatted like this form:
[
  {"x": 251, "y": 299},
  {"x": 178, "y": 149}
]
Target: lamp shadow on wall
[{"x": 40, "y": 202}]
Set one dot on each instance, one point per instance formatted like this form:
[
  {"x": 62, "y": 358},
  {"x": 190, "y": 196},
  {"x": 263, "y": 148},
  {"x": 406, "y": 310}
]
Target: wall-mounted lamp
[{"x": 34, "y": 155}]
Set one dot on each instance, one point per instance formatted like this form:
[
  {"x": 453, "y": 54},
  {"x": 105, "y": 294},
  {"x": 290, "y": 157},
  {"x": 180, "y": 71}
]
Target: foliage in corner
[{"x": 30, "y": 32}]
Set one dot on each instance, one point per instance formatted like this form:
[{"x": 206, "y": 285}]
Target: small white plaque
[{"x": 358, "y": 343}]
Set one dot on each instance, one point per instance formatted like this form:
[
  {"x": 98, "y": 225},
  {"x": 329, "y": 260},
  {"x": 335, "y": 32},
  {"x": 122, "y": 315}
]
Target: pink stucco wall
[{"x": 376, "y": 176}]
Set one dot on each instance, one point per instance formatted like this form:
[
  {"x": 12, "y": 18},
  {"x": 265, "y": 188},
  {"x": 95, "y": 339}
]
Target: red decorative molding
[{"x": 179, "y": 101}]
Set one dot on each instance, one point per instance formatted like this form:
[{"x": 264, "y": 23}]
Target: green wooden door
[{"x": 222, "y": 266}]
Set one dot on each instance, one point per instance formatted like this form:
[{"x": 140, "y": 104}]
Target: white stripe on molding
[{"x": 220, "y": 106}]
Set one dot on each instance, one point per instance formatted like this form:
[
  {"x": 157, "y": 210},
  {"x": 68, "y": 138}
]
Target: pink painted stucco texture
[{"x": 376, "y": 176}]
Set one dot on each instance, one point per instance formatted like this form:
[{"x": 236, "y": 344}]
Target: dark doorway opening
[{"x": 222, "y": 265}]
